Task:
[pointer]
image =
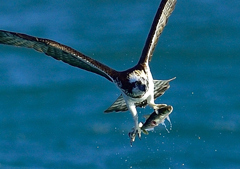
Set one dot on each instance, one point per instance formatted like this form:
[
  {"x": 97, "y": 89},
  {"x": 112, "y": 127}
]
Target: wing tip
[{"x": 172, "y": 79}]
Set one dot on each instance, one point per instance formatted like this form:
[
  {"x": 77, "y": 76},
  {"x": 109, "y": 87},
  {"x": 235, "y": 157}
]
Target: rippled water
[{"x": 52, "y": 114}]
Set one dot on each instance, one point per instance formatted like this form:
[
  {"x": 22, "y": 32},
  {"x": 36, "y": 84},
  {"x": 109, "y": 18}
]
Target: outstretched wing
[
  {"x": 57, "y": 51},
  {"x": 164, "y": 11},
  {"x": 160, "y": 86}
]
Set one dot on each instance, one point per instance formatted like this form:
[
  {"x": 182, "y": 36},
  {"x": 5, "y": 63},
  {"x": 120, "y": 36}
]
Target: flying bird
[{"x": 138, "y": 89}]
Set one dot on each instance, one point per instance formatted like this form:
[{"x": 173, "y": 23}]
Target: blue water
[{"x": 52, "y": 116}]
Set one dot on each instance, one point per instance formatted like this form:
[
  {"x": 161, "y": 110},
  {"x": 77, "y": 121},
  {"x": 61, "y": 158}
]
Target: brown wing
[
  {"x": 165, "y": 9},
  {"x": 57, "y": 51}
]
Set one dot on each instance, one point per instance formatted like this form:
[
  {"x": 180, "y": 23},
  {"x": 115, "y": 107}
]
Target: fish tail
[{"x": 168, "y": 119}]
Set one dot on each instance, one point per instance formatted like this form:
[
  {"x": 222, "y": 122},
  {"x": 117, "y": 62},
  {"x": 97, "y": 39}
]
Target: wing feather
[
  {"x": 165, "y": 9},
  {"x": 57, "y": 51}
]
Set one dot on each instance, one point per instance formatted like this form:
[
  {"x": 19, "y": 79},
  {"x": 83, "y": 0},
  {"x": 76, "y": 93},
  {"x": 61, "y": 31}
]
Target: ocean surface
[{"x": 51, "y": 114}]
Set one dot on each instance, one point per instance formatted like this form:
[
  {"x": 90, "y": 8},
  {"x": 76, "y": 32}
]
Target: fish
[{"x": 156, "y": 118}]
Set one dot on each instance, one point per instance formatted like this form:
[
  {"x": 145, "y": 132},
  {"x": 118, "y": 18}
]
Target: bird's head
[{"x": 138, "y": 84}]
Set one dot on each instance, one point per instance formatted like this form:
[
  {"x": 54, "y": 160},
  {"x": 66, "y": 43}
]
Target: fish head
[{"x": 162, "y": 114}]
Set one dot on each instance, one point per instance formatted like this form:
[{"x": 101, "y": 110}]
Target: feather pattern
[
  {"x": 58, "y": 52},
  {"x": 164, "y": 11}
]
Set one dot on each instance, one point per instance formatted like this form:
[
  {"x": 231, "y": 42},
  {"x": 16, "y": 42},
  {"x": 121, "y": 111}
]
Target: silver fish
[{"x": 155, "y": 119}]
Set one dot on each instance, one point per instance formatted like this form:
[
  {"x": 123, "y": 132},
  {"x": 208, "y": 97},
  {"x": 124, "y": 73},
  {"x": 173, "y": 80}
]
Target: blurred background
[{"x": 51, "y": 114}]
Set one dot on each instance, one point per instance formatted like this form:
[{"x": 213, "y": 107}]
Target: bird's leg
[
  {"x": 136, "y": 130},
  {"x": 155, "y": 106}
]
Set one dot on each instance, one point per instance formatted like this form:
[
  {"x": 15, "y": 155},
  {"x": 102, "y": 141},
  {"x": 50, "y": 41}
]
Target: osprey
[{"x": 138, "y": 89}]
